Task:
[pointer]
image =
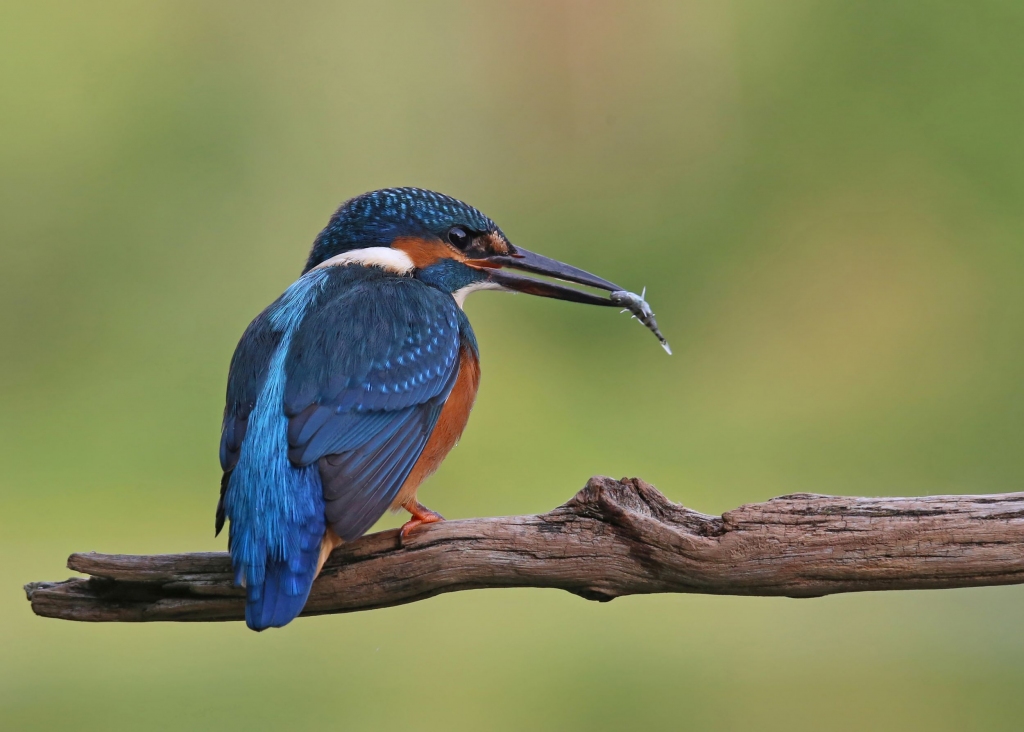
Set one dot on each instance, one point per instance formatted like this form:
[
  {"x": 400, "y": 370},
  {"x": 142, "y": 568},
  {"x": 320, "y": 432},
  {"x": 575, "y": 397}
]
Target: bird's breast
[{"x": 450, "y": 424}]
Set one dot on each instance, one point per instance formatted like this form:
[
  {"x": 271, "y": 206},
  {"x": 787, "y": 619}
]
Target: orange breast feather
[{"x": 451, "y": 422}]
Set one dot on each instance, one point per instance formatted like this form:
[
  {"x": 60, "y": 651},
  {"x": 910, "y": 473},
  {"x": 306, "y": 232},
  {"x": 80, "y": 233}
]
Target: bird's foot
[{"x": 420, "y": 515}]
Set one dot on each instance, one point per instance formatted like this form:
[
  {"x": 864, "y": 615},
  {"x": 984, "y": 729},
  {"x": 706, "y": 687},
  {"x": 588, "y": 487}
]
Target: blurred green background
[{"x": 824, "y": 201}]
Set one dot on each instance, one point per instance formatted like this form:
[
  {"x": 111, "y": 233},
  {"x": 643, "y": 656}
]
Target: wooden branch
[{"x": 613, "y": 538}]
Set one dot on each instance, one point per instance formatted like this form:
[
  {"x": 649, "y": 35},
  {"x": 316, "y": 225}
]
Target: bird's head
[{"x": 444, "y": 242}]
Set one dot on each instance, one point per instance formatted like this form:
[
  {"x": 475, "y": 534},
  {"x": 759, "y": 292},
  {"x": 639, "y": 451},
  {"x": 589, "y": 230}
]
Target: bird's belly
[{"x": 450, "y": 424}]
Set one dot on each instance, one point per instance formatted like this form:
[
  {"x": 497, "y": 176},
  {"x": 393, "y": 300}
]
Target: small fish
[{"x": 636, "y": 304}]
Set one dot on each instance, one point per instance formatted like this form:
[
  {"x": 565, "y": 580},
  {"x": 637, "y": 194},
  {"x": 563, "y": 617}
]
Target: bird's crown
[{"x": 379, "y": 217}]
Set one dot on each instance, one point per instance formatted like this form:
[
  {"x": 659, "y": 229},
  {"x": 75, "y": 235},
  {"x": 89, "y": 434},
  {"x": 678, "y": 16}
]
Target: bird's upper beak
[{"x": 529, "y": 262}]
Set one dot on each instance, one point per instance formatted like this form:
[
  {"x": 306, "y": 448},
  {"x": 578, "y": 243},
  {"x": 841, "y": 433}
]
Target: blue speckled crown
[{"x": 377, "y": 218}]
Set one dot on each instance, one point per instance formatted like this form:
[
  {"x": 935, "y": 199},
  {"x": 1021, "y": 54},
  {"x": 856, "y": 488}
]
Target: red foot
[{"x": 420, "y": 515}]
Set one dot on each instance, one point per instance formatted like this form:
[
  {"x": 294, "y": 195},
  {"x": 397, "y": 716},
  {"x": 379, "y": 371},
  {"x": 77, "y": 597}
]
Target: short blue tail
[
  {"x": 277, "y": 522},
  {"x": 286, "y": 584},
  {"x": 277, "y": 525}
]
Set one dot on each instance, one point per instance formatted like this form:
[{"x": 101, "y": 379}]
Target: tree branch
[{"x": 613, "y": 538}]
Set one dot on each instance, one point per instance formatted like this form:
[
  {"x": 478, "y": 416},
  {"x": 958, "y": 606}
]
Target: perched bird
[{"x": 350, "y": 389}]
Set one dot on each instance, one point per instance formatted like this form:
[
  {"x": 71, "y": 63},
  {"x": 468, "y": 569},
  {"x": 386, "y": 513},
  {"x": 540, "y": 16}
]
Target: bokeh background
[{"x": 823, "y": 199}]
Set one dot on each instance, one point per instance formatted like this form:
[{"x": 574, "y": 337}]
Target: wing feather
[{"x": 367, "y": 374}]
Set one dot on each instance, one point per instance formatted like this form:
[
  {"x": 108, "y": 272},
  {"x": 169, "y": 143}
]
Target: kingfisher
[{"x": 349, "y": 390}]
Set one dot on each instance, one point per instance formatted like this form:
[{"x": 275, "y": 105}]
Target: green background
[{"x": 823, "y": 199}]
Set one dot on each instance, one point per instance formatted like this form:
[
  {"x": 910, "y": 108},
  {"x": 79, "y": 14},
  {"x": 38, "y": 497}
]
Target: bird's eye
[{"x": 458, "y": 237}]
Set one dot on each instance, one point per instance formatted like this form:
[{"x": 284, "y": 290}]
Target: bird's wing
[
  {"x": 367, "y": 373},
  {"x": 248, "y": 371}
]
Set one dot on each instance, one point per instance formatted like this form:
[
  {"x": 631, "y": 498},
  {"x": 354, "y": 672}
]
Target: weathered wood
[{"x": 613, "y": 538}]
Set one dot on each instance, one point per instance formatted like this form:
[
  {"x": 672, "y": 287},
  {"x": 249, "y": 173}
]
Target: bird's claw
[{"x": 420, "y": 515}]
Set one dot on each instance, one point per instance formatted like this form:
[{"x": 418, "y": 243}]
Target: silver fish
[{"x": 636, "y": 304}]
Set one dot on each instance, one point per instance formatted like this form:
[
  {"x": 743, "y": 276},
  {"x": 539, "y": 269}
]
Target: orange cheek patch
[{"x": 425, "y": 252}]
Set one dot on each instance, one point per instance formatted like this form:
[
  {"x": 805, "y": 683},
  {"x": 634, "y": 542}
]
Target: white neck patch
[{"x": 393, "y": 260}]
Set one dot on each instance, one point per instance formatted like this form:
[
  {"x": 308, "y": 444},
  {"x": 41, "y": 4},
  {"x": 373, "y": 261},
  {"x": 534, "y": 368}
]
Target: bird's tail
[
  {"x": 277, "y": 526},
  {"x": 286, "y": 584}
]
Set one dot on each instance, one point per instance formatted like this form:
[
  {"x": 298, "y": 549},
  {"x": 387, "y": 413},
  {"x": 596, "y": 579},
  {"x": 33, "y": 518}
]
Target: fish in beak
[{"x": 528, "y": 261}]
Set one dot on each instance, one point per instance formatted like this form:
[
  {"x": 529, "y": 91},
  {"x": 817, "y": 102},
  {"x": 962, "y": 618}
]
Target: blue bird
[{"x": 349, "y": 390}]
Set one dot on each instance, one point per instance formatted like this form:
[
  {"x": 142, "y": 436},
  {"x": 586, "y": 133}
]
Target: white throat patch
[
  {"x": 461, "y": 295},
  {"x": 393, "y": 260}
]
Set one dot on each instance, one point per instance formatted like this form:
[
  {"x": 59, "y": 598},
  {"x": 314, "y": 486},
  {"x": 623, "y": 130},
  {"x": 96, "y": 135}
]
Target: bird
[{"x": 349, "y": 390}]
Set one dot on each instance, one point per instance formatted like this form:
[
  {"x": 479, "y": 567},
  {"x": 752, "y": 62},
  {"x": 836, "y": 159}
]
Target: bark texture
[{"x": 613, "y": 538}]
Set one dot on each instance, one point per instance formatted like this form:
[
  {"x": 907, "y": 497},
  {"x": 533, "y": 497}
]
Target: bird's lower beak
[{"x": 538, "y": 264}]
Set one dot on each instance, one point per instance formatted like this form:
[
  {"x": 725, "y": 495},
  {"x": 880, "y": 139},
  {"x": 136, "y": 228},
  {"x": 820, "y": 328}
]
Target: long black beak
[
  {"x": 530, "y": 262},
  {"x": 538, "y": 264}
]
